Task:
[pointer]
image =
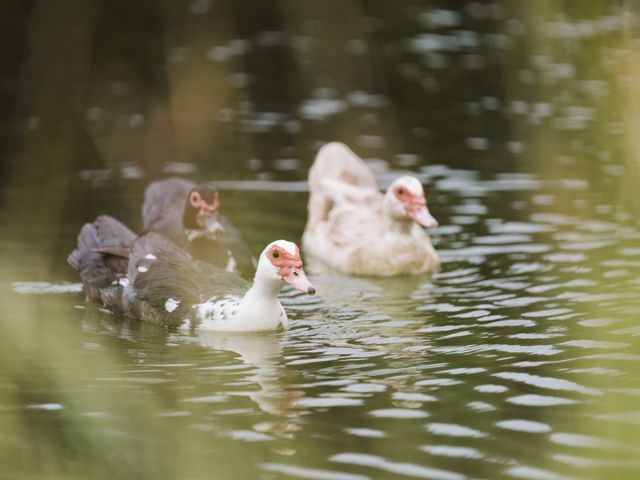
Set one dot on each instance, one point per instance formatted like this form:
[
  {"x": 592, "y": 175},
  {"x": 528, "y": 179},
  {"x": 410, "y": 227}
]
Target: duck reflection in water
[{"x": 263, "y": 354}]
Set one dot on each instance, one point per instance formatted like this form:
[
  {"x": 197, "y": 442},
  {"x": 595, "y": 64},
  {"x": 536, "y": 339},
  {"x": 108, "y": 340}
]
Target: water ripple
[
  {"x": 454, "y": 430},
  {"x": 408, "y": 469},
  {"x": 326, "y": 402},
  {"x": 450, "y": 451},
  {"x": 550, "y": 383},
  {"x": 310, "y": 473},
  {"x": 531, "y": 473},
  {"x": 398, "y": 413},
  {"x": 533, "y": 400},
  {"x": 524, "y": 426}
]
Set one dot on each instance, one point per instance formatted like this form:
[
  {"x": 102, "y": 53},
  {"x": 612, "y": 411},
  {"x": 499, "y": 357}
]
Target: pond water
[{"x": 520, "y": 358}]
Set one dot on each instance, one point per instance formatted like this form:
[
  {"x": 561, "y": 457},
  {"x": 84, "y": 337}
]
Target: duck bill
[
  {"x": 298, "y": 280},
  {"x": 423, "y": 218}
]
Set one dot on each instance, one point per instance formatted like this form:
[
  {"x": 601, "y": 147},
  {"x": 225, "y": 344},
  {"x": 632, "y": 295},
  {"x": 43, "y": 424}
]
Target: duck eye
[
  {"x": 275, "y": 254},
  {"x": 401, "y": 191}
]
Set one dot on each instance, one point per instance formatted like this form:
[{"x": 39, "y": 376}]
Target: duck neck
[
  {"x": 263, "y": 291},
  {"x": 394, "y": 220},
  {"x": 401, "y": 226}
]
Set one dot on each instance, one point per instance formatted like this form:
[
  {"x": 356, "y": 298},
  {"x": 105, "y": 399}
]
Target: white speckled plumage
[{"x": 171, "y": 304}]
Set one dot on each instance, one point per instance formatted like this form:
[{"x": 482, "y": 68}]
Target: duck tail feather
[
  {"x": 94, "y": 258},
  {"x": 337, "y": 174}
]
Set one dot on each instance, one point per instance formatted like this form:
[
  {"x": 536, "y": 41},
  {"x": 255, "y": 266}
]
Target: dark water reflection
[{"x": 520, "y": 358}]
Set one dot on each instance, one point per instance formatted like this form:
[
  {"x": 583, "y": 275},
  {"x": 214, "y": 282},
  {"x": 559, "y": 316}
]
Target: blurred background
[{"x": 520, "y": 118}]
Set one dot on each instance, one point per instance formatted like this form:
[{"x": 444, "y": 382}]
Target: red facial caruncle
[
  {"x": 196, "y": 201},
  {"x": 284, "y": 261},
  {"x": 415, "y": 206},
  {"x": 411, "y": 201},
  {"x": 289, "y": 267}
]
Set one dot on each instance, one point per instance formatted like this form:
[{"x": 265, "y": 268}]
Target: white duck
[
  {"x": 259, "y": 308},
  {"x": 358, "y": 230}
]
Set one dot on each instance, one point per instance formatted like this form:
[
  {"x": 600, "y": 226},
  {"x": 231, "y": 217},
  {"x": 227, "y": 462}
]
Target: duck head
[
  {"x": 280, "y": 262},
  {"x": 405, "y": 201},
  {"x": 201, "y": 212}
]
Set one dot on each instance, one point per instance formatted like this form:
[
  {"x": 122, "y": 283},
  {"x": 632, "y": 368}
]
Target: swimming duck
[
  {"x": 188, "y": 214},
  {"x": 358, "y": 230},
  {"x": 166, "y": 286}
]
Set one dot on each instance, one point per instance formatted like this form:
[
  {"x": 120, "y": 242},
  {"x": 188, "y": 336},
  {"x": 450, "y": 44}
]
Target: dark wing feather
[
  {"x": 121, "y": 252},
  {"x": 173, "y": 274},
  {"x": 94, "y": 259}
]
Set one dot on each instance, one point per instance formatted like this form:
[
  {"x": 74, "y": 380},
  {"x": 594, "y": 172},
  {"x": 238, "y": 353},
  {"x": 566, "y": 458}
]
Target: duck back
[
  {"x": 337, "y": 176},
  {"x": 165, "y": 281}
]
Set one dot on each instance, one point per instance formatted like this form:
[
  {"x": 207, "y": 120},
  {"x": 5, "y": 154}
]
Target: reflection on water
[{"x": 519, "y": 358}]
